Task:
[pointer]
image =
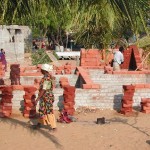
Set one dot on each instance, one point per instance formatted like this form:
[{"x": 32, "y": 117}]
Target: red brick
[
  {"x": 145, "y": 100},
  {"x": 29, "y": 104},
  {"x": 70, "y": 111},
  {"x": 61, "y": 79},
  {"x": 139, "y": 86},
  {"x": 29, "y": 97},
  {"x": 6, "y": 100},
  {"x": 69, "y": 88},
  {"x": 66, "y": 100},
  {"x": 87, "y": 86},
  {"x": 17, "y": 87},
  {"x": 30, "y": 108},
  {"x": 126, "y": 113},
  {"x": 126, "y": 105},
  {"x": 29, "y": 100},
  {"x": 128, "y": 87},
  {"x": 145, "y": 108},
  {"x": 127, "y": 98},
  {"x": 96, "y": 86},
  {"x": 29, "y": 115},
  {"x": 31, "y": 112},
  {"x": 147, "y": 85},
  {"x": 127, "y": 109},
  {"x": 127, "y": 102},
  {"x": 30, "y": 88},
  {"x": 146, "y": 111},
  {"x": 69, "y": 92},
  {"x": 70, "y": 103},
  {"x": 2, "y": 107},
  {"x": 128, "y": 93},
  {"x": 69, "y": 96}
]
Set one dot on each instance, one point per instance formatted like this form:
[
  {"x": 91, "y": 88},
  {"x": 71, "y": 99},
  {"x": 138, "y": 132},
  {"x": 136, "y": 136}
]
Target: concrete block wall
[
  {"x": 71, "y": 77},
  {"x": 108, "y": 96},
  {"x": 117, "y": 79},
  {"x": 98, "y": 98},
  {"x": 58, "y": 93},
  {"x": 17, "y": 100},
  {"x": 140, "y": 93},
  {"x": 28, "y": 80},
  {"x": 147, "y": 78},
  {"x": 111, "y": 92}
]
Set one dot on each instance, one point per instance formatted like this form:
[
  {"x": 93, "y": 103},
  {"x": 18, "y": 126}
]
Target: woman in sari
[
  {"x": 46, "y": 98},
  {"x": 3, "y": 59}
]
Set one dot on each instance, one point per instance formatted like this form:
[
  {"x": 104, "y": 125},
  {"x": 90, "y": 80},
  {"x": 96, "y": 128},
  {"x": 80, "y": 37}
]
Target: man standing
[{"x": 118, "y": 59}]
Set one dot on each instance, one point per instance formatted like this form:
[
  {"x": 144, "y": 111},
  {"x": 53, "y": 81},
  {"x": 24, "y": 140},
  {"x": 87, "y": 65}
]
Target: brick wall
[
  {"x": 109, "y": 95},
  {"x": 132, "y": 58}
]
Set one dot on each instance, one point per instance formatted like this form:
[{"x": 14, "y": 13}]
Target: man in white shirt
[{"x": 118, "y": 59}]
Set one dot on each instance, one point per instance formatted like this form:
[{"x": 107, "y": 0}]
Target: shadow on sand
[
  {"x": 32, "y": 130},
  {"x": 125, "y": 121}
]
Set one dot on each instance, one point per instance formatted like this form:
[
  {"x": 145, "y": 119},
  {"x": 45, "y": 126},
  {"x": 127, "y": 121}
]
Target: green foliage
[
  {"x": 144, "y": 42},
  {"x": 40, "y": 57},
  {"x": 94, "y": 23}
]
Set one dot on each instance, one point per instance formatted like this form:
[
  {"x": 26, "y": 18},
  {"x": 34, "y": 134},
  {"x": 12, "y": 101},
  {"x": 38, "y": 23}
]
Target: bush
[{"x": 40, "y": 57}]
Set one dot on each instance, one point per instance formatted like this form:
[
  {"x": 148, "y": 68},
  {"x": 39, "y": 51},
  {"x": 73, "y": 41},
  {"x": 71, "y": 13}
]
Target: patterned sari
[{"x": 46, "y": 102}]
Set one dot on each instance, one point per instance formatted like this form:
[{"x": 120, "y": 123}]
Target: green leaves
[
  {"x": 94, "y": 23},
  {"x": 40, "y": 57}
]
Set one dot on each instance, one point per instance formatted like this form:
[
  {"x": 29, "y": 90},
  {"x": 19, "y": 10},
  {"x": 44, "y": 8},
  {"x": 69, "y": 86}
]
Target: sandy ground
[{"x": 120, "y": 132}]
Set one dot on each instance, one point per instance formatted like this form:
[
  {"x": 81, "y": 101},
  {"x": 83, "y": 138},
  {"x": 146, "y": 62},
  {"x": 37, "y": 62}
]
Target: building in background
[{"x": 15, "y": 40}]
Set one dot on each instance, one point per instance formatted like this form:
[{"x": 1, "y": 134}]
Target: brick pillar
[
  {"x": 6, "y": 101},
  {"x": 127, "y": 99},
  {"x": 15, "y": 74},
  {"x": 29, "y": 102},
  {"x": 69, "y": 96},
  {"x": 145, "y": 105}
]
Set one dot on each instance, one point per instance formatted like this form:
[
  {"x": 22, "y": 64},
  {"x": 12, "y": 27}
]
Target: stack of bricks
[
  {"x": 67, "y": 68},
  {"x": 90, "y": 57},
  {"x": 6, "y": 101},
  {"x": 127, "y": 99},
  {"x": 69, "y": 96},
  {"x": 37, "y": 83},
  {"x": 29, "y": 102},
  {"x": 59, "y": 70},
  {"x": 15, "y": 74},
  {"x": 2, "y": 72},
  {"x": 63, "y": 81},
  {"x": 145, "y": 105},
  {"x": 137, "y": 56},
  {"x": 127, "y": 57}
]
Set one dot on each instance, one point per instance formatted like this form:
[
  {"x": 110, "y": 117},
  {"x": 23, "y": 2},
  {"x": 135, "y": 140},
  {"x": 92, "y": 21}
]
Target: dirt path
[{"x": 129, "y": 133}]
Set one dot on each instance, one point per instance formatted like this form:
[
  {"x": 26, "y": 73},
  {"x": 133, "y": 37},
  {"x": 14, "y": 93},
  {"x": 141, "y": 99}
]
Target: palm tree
[
  {"x": 100, "y": 21},
  {"x": 94, "y": 22}
]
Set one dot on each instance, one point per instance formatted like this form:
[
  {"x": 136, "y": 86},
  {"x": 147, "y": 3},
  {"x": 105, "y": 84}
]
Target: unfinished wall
[
  {"x": 132, "y": 58},
  {"x": 109, "y": 95}
]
